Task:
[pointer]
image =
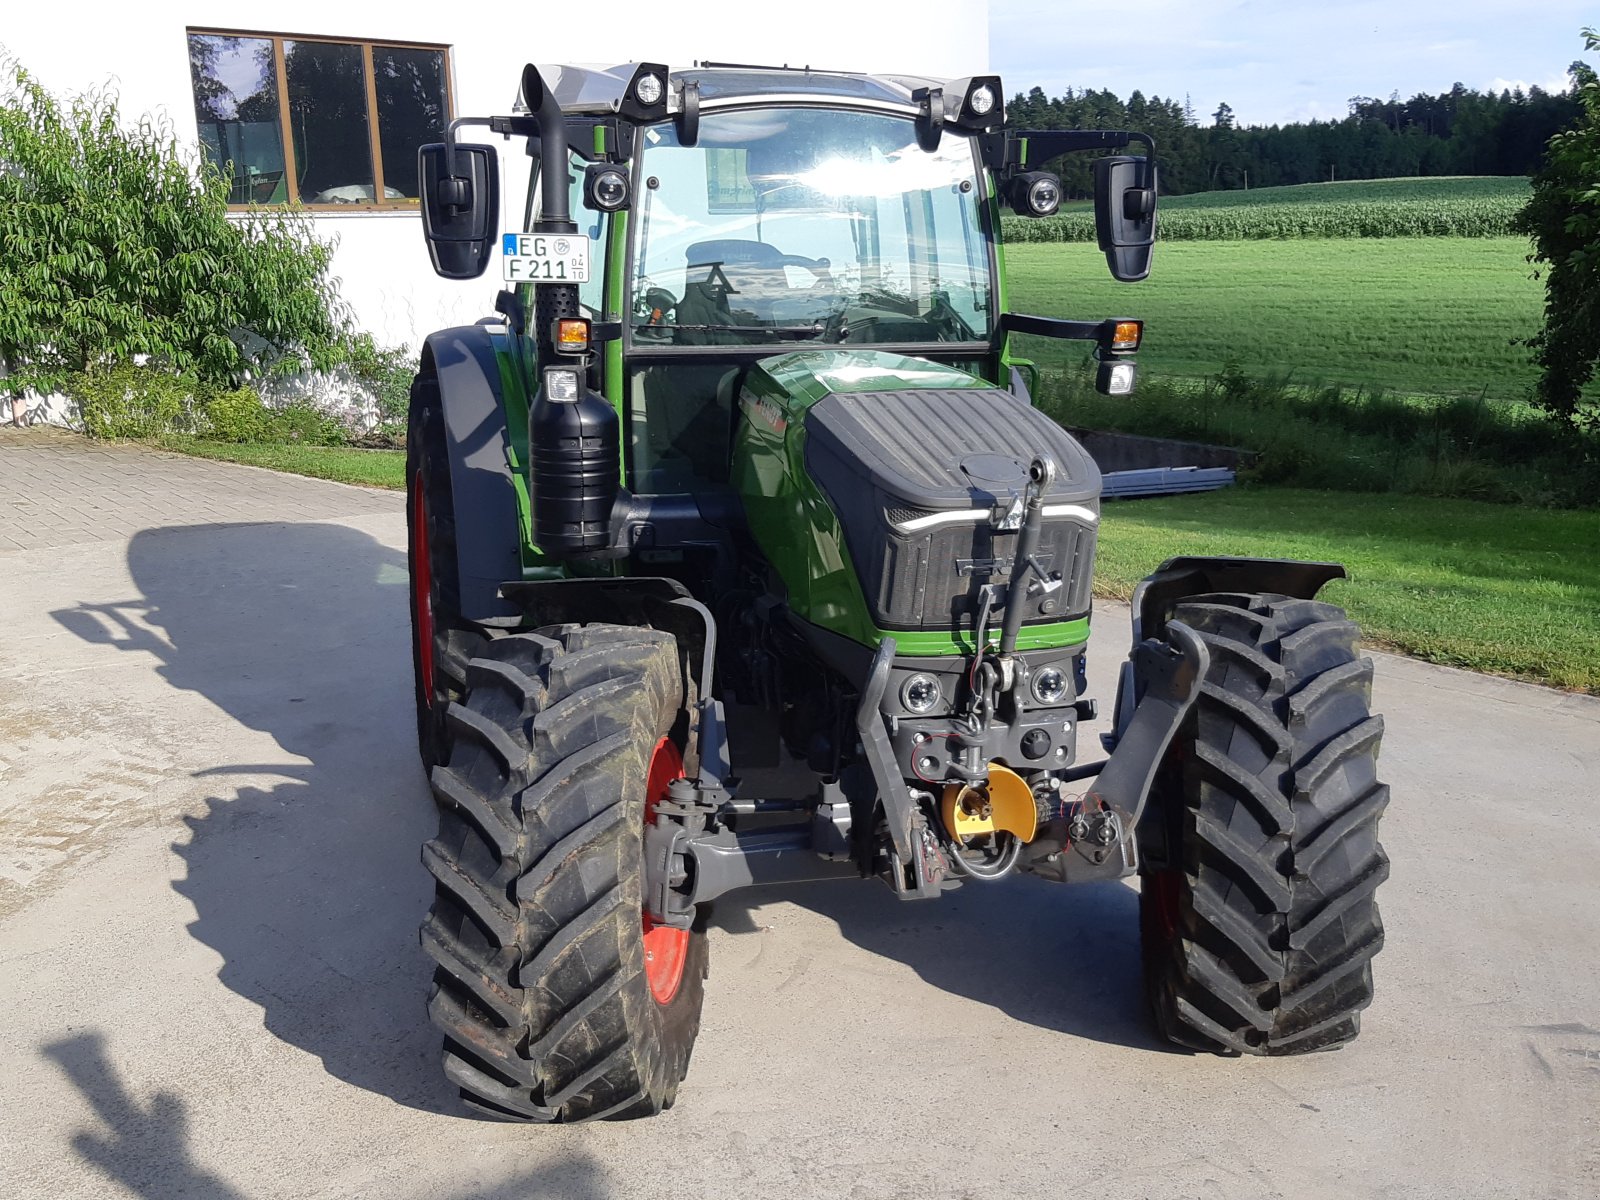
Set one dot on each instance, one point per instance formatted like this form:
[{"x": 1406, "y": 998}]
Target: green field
[
  {"x": 1461, "y": 206},
  {"x": 1432, "y": 189},
  {"x": 1491, "y": 587},
  {"x": 1426, "y": 315}
]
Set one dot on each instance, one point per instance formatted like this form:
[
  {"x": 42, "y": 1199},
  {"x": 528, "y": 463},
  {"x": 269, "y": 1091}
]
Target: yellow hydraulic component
[{"x": 1006, "y": 803}]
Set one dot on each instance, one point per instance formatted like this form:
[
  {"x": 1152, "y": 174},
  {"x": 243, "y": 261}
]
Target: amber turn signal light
[
  {"x": 1126, "y": 336},
  {"x": 572, "y": 335}
]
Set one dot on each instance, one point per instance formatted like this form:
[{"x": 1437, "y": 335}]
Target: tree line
[{"x": 1459, "y": 132}]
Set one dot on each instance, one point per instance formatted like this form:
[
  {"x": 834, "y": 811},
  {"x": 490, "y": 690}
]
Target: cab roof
[{"x": 594, "y": 90}]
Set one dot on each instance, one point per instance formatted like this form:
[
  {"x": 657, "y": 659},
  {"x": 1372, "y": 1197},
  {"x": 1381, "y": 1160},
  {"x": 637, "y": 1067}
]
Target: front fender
[
  {"x": 488, "y": 529},
  {"x": 1159, "y": 593}
]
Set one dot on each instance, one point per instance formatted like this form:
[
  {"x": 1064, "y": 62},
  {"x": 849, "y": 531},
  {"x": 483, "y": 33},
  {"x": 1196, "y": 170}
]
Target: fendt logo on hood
[{"x": 769, "y": 412}]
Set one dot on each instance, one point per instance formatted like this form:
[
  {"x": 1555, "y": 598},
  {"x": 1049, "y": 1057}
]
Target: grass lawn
[
  {"x": 344, "y": 464},
  {"x": 1430, "y": 315},
  {"x": 1492, "y": 587}
]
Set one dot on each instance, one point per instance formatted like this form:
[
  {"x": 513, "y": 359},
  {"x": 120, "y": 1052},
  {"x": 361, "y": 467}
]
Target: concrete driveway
[{"x": 210, "y": 813}]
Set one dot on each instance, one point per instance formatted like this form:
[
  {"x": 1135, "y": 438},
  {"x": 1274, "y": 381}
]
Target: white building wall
[{"x": 380, "y": 260}]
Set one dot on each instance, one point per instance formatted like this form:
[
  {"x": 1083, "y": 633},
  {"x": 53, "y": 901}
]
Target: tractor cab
[{"x": 741, "y": 212}]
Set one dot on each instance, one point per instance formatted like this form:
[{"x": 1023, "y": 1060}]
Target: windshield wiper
[{"x": 782, "y": 332}]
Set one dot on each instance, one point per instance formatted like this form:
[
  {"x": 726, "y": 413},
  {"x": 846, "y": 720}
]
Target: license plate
[{"x": 545, "y": 257}]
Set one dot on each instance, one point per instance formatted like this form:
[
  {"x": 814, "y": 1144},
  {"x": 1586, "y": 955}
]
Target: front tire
[
  {"x": 1261, "y": 858},
  {"x": 556, "y": 1001}
]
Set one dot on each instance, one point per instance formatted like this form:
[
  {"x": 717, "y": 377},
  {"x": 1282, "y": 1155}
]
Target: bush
[
  {"x": 387, "y": 372},
  {"x": 236, "y": 415},
  {"x": 133, "y": 401},
  {"x": 301, "y": 422},
  {"x": 1463, "y": 447},
  {"x": 119, "y": 245},
  {"x": 1563, "y": 219},
  {"x": 128, "y": 401}
]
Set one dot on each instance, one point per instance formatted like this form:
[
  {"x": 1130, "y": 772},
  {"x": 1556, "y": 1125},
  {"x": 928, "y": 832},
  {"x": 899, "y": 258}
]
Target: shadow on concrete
[
  {"x": 309, "y": 888},
  {"x": 146, "y": 1149},
  {"x": 1062, "y": 958}
]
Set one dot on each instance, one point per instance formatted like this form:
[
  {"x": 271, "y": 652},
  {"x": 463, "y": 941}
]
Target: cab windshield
[{"x": 805, "y": 224}]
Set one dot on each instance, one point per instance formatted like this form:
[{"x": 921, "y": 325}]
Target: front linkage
[{"x": 908, "y": 829}]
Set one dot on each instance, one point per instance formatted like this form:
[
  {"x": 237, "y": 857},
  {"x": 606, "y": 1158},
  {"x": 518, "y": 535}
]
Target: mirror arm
[
  {"x": 1147, "y": 172},
  {"x": 1046, "y": 144},
  {"x": 450, "y": 140}
]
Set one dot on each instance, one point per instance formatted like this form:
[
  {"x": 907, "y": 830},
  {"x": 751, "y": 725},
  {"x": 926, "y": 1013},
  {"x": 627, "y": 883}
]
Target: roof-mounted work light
[
  {"x": 646, "y": 96},
  {"x": 981, "y": 103}
]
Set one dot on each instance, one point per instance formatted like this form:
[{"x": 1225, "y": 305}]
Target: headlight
[
  {"x": 648, "y": 89},
  {"x": 920, "y": 694},
  {"x": 981, "y": 102},
  {"x": 1050, "y": 685},
  {"x": 561, "y": 385},
  {"x": 1044, "y": 196},
  {"x": 1115, "y": 379},
  {"x": 605, "y": 188}
]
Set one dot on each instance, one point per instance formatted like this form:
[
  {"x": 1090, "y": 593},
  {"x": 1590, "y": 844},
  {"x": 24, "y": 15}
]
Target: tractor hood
[{"x": 920, "y": 469}]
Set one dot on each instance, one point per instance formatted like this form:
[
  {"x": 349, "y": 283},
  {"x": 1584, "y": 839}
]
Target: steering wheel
[{"x": 817, "y": 266}]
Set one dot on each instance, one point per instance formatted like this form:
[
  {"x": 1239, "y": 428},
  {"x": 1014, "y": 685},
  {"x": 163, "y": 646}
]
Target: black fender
[
  {"x": 1176, "y": 579},
  {"x": 1159, "y": 592},
  {"x": 488, "y": 530}
]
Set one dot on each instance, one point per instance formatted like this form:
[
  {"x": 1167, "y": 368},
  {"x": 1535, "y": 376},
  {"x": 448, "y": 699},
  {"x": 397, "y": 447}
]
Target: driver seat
[{"x": 754, "y": 270}]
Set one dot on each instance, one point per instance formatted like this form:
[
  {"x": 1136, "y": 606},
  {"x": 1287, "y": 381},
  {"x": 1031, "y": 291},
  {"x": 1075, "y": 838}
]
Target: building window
[{"x": 317, "y": 121}]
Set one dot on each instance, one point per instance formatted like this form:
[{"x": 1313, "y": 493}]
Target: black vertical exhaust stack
[
  {"x": 574, "y": 443},
  {"x": 551, "y": 301}
]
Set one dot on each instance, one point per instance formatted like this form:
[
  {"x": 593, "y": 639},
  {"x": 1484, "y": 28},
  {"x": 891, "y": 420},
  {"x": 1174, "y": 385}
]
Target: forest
[{"x": 1459, "y": 132}]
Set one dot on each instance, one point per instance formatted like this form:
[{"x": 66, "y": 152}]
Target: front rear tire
[
  {"x": 1261, "y": 857},
  {"x": 557, "y": 1001}
]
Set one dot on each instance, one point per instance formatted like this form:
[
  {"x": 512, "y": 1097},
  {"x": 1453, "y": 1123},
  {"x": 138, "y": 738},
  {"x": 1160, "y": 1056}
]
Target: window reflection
[
  {"x": 236, "y": 109},
  {"x": 410, "y": 86},
  {"x": 328, "y": 122},
  {"x": 354, "y": 114}
]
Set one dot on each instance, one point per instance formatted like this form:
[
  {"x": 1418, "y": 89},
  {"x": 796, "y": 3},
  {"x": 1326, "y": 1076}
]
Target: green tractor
[{"x": 741, "y": 556}]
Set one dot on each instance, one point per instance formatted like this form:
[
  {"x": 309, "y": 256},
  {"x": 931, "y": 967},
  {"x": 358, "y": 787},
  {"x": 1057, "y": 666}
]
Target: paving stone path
[{"x": 62, "y": 489}]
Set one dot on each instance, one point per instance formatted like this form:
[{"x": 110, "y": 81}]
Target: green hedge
[{"x": 130, "y": 401}]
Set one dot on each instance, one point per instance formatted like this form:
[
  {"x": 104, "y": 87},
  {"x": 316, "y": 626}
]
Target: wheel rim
[
  {"x": 665, "y": 948},
  {"x": 422, "y": 585}
]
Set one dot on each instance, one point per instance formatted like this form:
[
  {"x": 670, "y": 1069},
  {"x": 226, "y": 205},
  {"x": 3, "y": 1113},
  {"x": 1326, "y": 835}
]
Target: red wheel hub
[
  {"x": 422, "y": 585},
  {"x": 665, "y": 948}
]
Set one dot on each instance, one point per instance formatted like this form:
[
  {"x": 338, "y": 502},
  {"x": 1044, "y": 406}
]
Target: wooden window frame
[{"x": 374, "y": 138}]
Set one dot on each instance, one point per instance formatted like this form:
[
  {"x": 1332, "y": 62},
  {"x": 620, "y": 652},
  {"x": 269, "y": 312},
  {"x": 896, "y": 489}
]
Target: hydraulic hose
[{"x": 1041, "y": 474}]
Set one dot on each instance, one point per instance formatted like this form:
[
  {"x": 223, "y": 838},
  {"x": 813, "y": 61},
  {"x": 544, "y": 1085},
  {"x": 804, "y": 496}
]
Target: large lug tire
[
  {"x": 441, "y": 641},
  {"x": 556, "y": 1000},
  {"x": 1257, "y": 902}
]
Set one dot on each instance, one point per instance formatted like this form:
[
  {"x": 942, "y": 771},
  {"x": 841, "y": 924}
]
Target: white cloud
[{"x": 1555, "y": 83}]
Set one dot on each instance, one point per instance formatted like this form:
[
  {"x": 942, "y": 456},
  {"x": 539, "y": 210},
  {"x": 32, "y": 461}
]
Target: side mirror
[
  {"x": 460, "y": 212},
  {"x": 1125, "y": 214}
]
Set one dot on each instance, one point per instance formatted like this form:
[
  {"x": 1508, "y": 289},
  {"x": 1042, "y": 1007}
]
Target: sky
[{"x": 1287, "y": 61}]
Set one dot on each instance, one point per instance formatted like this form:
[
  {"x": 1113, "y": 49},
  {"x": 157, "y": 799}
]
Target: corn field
[{"x": 1461, "y": 207}]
